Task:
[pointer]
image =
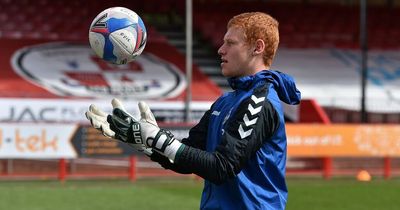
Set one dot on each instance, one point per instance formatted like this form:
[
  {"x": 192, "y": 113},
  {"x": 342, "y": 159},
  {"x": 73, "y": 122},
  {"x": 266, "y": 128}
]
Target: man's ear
[{"x": 259, "y": 47}]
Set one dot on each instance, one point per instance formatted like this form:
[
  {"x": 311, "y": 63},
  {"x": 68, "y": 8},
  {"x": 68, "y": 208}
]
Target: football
[{"x": 117, "y": 35}]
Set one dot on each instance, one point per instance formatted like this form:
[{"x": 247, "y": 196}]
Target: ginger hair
[{"x": 259, "y": 25}]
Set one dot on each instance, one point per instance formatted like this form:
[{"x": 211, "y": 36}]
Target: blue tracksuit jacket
[{"x": 239, "y": 145}]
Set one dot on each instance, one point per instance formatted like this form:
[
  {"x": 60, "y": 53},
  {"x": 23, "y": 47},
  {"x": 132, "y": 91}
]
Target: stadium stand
[{"x": 301, "y": 25}]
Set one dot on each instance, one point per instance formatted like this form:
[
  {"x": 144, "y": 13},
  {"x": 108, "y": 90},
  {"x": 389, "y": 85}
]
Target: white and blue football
[{"x": 117, "y": 35}]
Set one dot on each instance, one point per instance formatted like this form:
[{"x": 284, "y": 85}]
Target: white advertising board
[
  {"x": 36, "y": 140},
  {"x": 73, "y": 111}
]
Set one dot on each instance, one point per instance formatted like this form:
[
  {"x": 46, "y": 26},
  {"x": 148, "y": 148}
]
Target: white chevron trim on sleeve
[
  {"x": 244, "y": 134},
  {"x": 249, "y": 122},
  {"x": 253, "y": 110},
  {"x": 257, "y": 100}
]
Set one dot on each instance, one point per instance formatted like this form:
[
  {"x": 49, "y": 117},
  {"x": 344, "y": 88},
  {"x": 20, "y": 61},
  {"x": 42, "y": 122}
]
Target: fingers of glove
[
  {"x": 105, "y": 128},
  {"x": 94, "y": 119},
  {"x": 121, "y": 114},
  {"x": 95, "y": 110},
  {"x": 146, "y": 113},
  {"x": 117, "y": 123},
  {"x": 100, "y": 124},
  {"x": 117, "y": 104}
]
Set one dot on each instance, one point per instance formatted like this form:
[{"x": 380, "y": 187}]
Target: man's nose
[{"x": 221, "y": 51}]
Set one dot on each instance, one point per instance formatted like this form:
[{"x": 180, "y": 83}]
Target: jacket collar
[
  {"x": 245, "y": 82},
  {"x": 284, "y": 84}
]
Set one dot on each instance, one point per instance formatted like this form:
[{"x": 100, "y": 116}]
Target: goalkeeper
[{"x": 239, "y": 145}]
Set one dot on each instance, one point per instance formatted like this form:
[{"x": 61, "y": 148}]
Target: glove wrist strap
[{"x": 165, "y": 143}]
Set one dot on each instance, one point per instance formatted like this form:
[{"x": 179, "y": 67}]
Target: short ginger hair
[{"x": 259, "y": 25}]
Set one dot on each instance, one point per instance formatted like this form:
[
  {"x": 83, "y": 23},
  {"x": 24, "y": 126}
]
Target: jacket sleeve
[
  {"x": 245, "y": 133},
  {"x": 198, "y": 134},
  {"x": 197, "y": 139}
]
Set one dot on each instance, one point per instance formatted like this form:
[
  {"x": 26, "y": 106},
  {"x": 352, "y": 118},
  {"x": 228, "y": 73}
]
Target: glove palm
[
  {"x": 120, "y": 128},
  {"x": 145, "y": 131}
]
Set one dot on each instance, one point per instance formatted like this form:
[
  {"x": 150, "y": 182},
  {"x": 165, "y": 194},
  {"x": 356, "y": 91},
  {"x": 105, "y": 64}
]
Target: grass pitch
[
  {"x": 343, "y": 194},
  {"x": 336, "y": 194}
]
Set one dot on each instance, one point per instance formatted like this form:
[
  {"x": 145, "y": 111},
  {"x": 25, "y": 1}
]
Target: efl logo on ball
[{"x": 117, "y": 35}]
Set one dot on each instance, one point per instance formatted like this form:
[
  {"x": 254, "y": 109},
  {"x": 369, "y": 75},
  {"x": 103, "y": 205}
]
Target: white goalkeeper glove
[
  {"x": 144, "y": 131},
  {"x": 98, "y": 119}
]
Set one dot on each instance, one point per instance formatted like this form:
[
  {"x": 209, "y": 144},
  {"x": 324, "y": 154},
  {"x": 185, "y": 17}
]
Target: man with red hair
[{"x": 239, "y": 146}]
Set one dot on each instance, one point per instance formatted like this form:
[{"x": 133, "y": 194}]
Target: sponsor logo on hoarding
[
  {"x": 343, "y": 140},
  {"x": 36, "y": 141},
  {"x": 67, "y": 111}
]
